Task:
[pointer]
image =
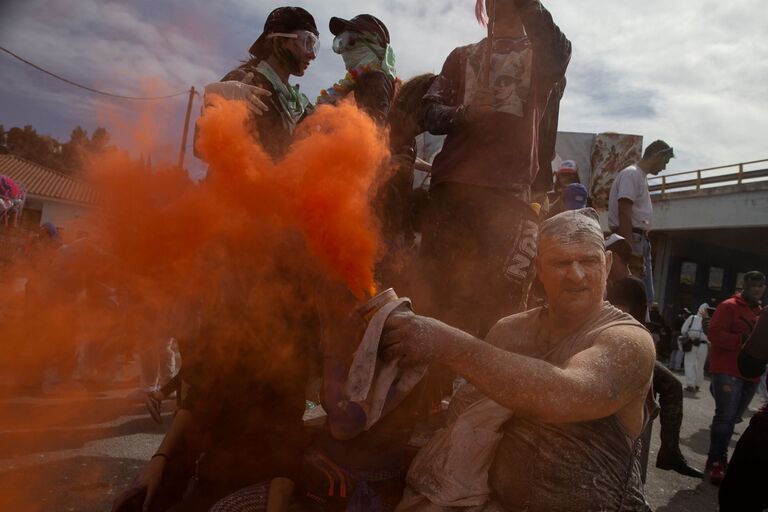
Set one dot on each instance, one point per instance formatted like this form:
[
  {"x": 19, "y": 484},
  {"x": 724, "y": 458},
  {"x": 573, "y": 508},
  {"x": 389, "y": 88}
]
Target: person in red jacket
[{"x": 731, "y": 325}]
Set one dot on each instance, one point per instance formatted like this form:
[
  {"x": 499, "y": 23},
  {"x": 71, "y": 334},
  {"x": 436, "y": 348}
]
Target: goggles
[
  {"x": 305, "y": 39},
  {"x": 350, "y": 40}
]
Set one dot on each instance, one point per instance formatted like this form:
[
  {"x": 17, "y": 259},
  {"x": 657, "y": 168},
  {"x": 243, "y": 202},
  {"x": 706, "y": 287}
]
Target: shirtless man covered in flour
[{"x": 568, "y": 380}]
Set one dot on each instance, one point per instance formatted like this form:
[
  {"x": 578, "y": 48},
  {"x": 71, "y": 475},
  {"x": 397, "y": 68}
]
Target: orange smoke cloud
[
  {"x": 240, "y": 246},
  {"x": 323, "y": 187}
]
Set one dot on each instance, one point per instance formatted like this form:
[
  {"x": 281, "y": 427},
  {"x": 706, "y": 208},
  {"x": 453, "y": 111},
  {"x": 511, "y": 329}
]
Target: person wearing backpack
[{"x": 694, "y": 330}]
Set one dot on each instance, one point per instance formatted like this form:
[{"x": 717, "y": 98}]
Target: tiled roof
[{"x": 44, "y": 182}]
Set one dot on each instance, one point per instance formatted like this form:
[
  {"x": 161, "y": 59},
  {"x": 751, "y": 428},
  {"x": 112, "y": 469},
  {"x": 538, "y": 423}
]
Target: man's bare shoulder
[
  {"x": 628, "y": 338},
  {"x": 513, "y": 333}
]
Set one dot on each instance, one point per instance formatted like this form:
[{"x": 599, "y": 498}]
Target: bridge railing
[{"x": 711, "y": 177}]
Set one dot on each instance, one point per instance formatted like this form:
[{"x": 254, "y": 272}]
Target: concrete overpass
[{"x": 710, "y": 227}]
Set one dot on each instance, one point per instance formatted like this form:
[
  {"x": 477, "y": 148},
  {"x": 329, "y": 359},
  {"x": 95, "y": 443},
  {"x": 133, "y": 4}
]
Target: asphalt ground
[{"x": 75, "y": 451}]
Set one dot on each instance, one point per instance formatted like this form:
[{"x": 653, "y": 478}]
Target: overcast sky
[{"x": 692, "y": 72}]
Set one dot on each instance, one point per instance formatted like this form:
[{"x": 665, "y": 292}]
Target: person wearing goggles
[
  {"x": 200, "y": 439},
  {"x": 306, "y": 42},
  {"x": 363, "y": 44},
  {"x": 287, "y": 46}
]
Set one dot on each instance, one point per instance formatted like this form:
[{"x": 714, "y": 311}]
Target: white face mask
[{"x": 358, "y": 50}]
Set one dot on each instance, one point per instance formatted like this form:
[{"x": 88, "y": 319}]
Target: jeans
[
  {"x": 732, "y": 396},
  {"x": 641, "y": 246}
]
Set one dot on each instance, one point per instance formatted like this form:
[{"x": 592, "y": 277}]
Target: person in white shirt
[
  {"x": 693, "y": 329},
  {"x": 630, "y": 212}
]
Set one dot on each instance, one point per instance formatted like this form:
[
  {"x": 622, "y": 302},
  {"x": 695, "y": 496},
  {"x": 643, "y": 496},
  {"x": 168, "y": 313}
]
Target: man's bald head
[
  {"x": 572, "y": 264},
  {"x": 572, "y": 227}
]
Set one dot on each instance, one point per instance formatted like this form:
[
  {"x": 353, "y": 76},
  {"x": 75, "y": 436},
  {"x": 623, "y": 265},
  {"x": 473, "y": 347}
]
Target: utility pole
[{"x": 183, "y": 149}]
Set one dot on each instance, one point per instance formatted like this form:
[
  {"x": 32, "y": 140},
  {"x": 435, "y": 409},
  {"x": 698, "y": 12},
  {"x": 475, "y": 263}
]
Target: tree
[
  {"x": 80, "y": 145},
  {"x": 45, "y": 150},
  {"x": 99, "y": 140},
  {"x": 26, "y": 143},
  {"x": 73, "y": 150}
]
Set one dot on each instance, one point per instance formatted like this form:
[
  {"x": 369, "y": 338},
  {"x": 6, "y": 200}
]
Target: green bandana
[{"x": 294, "y": 104}]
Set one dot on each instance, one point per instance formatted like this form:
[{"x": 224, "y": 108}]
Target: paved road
[
  {"x": 667, "y": 491},
  {"x": 87, "y": 446}
]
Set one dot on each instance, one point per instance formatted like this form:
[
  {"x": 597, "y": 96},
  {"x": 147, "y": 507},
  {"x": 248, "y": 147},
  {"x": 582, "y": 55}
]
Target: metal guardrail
[{"x": 710, "y": 177}]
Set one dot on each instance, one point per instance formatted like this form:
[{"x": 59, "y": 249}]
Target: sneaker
[{"x": 717, "y": 472}]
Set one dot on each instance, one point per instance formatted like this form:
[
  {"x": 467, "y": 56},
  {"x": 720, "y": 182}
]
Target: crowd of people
[{"x": 537, "y": 344}]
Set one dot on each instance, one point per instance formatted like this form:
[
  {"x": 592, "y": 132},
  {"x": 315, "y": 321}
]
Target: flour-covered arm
[{"x": 594, "y": 383}]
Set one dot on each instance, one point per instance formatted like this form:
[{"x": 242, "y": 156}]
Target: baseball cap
[
  {"x": 619, "y": 245},
  {"x": 574, "y": 196},
  {"x": 284, "y": 19},
  {"x": 568, "y": 167},
  {"x": 361, "y": 23}
]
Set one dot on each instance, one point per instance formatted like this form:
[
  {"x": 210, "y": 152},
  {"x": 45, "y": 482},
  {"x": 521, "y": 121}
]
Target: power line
[{"x": 70, "y": 82}]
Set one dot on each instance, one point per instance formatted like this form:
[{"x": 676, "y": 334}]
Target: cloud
[{"x": 689, "y": 71}]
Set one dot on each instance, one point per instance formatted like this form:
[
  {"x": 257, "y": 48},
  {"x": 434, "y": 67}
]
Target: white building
[{"x": 51, "y": 196}]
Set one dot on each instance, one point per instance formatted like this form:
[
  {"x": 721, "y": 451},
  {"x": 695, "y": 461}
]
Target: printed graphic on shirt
[
  {"x": 510, "y": 74},
  {"x": 523, "y": 252}
]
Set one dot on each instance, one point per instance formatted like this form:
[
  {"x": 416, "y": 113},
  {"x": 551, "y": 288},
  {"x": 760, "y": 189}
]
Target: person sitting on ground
[
  {"x": 363, "y": 43},
  {"x": 573, "y": 375},
  {"x": 628, "y": 294}
]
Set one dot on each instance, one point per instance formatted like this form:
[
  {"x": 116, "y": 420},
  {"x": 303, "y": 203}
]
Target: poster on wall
[
  {"x": 688, "y": 273},
  {"x": 716, "y": 278},
  {"x": 611, "y": 153}
]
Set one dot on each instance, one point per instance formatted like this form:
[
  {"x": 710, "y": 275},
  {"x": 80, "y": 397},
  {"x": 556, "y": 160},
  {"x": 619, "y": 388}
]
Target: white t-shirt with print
[{"x": 632, "y": 184}]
